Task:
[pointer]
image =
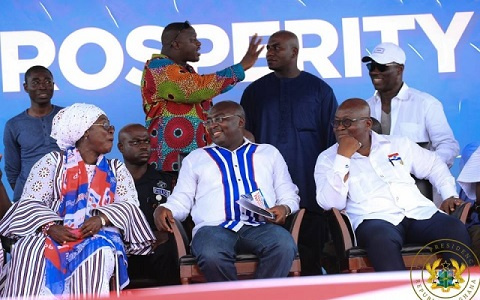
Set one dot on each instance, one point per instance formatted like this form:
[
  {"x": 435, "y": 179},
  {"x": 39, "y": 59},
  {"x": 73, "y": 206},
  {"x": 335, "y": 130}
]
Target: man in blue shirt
[
  {"x": 293, "y": 110},
  {"x": 27, "y": 136}
]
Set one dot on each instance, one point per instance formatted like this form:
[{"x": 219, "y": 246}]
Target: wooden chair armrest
[
  {"x": 181, "y": 239},
  {"x": 344, "y": 229},
  {"x": 461, "y": 212},
  {"x": 296, "y": 223}
]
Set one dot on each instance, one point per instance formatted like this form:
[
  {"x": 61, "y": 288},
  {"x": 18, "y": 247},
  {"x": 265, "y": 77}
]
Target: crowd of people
[{"x": 78, "y": 215}]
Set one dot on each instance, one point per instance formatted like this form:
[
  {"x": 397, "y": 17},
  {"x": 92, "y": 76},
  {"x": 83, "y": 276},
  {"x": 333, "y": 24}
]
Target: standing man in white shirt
[
  {"x": 405, "y": 111},
  {"x": 210, "y": 182},
  {"x": 368, "y": 175}
]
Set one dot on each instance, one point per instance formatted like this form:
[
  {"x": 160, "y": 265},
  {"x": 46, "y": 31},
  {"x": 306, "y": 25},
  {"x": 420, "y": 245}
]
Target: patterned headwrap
[{"x": 70, "y": 123}]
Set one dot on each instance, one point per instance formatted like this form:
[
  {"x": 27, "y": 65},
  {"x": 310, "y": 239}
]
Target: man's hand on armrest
[
  {"x": 163, "y": 219},
  {"x": 450, "y": 204},
  {"x": 281, "y": 213}
]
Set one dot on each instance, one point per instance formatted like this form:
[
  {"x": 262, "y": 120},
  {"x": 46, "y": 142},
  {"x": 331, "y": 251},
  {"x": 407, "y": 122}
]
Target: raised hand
[
  {"x": 348, "y": 145},
  {"x": 252, "y": 53}
]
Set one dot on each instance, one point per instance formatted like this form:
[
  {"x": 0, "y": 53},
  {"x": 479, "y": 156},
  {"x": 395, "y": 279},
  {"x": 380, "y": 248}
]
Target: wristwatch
[{"x": 288, "y": 211}]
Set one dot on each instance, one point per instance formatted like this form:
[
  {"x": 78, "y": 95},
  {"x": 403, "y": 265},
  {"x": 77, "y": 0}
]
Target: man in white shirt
[
  {"x": 212, "y": 179},
  {"x": 405, "y": 111},
  {"x": 368, "y": 175}
]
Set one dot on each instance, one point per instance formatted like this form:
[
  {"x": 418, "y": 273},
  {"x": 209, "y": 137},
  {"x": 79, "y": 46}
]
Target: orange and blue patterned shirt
[{"x": 176, "y": 100}]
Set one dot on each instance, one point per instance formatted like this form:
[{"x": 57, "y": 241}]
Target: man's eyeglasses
[
  {"x": 185, "y": 25},
  {"x": 216, "y": 120},
  {"x": 380, "y": 67},
  {"x": 136, "y": 143},
  {"x": 347, "y": 122},
  {"x": 106, "y": 125}
]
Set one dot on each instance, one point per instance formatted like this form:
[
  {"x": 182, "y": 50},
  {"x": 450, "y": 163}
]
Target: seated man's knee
[{"x": 378, "y": 234}]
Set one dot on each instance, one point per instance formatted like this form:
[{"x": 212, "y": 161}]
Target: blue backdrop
[{"x": 96, "y": 49}]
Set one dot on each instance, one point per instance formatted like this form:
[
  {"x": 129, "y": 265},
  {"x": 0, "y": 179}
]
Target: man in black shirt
[{"x": 153, "y": 188}]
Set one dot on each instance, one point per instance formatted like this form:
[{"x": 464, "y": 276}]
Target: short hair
[
  {"x": 35, "y": 69},
  {"x": 232, "y": 104},
  {"x": 127, "y": 128},
  {"x": 173, "y": 28}
]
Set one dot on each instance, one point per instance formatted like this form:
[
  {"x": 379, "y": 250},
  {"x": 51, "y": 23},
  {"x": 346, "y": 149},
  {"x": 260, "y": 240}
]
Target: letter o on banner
[{"x": 67, "y": 58}]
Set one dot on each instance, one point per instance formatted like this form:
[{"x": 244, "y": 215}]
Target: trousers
[{"x": 215, "y": 248}]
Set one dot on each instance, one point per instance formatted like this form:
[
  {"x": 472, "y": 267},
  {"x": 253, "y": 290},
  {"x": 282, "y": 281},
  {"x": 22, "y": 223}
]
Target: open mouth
[{"x": 216, "y": 133}]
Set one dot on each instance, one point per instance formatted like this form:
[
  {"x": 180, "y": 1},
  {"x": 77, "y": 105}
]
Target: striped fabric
[
  {"x": 224, "y": 161},
  {"x": 25, "y": 272}
]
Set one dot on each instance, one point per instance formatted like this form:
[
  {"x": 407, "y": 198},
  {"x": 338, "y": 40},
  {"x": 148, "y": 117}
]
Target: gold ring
[{"x": 91, "y": 231}]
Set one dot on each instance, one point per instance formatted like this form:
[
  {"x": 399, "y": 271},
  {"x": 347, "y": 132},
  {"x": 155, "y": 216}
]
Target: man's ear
[
  {"x": 241, "y": 122},
  {"x": 295, "y": 51},
  {"x": 369, "y": 123},
  {"x": 174, "y": 45},
  {"x": 120, "y": 147},
  {"x": 25, "y": 87}
]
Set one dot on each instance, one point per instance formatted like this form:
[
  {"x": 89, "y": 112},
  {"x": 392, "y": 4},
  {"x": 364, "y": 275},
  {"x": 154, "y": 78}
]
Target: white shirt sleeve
[
  {"x": 285, "y": 190},
  {"x": 470, "y": 175},
  {"x": 428, "y": 164},
  {"x": 181, "y": 200},
  {"x": 441, "y": 135},
  {"x": 329, "y": 176}
]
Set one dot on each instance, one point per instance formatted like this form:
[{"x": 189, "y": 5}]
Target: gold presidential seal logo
[{"x": 446, "y": 271}]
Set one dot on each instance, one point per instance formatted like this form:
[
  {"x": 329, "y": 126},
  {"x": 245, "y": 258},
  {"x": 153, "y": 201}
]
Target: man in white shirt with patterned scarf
[{"x": 210, "y": 182}]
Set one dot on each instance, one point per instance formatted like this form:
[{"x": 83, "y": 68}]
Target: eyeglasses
[
  {"x": 216, "y": 120},
  {"x": 185, "y": 25},
  {"x": 36, "y": 83},
  {"x": 106, "y": 125},
  {"x": 136, "y": 143},
  {"x": 347, "y": 122},
  {"x": 380, "y": 67}
]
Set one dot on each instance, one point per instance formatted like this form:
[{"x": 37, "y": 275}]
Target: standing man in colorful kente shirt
[{"x": 176, "y": 98}]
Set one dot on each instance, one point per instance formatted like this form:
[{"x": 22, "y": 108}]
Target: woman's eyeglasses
[
  {"x": 380, "y": 67},
  {"x": 106, "y": 125}
]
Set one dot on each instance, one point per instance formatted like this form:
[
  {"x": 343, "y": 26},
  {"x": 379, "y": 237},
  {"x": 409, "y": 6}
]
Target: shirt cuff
[
  {"x": 447, "y": 192},
  {"x": 239, "y": 71},
  {"x": 341, "y": 165}
]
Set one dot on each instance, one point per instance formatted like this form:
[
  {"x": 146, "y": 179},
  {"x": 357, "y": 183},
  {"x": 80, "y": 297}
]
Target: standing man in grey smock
[{"x": 27, "y": 136}]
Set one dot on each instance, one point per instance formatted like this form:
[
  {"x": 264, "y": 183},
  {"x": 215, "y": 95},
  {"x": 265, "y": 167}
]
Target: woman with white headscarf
[{"x": 77, "y": 209}]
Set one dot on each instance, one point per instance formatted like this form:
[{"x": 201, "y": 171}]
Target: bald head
[
  {"x": 127, "y": 130},
  {"x": 230, "y": 107},
  {"x": 289, "y": 37},
  {"x": 134, "y": 144},
  {"x": 357, "y": 105}
]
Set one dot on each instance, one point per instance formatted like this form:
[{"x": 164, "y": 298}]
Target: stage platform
[{"x": 388, "y": 285}]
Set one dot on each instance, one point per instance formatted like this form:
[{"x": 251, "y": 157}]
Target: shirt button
[
  {"x": 396, "y": 198},
  {"x": 239, "y": 179},
  {"x": 382, "y": 176}
]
